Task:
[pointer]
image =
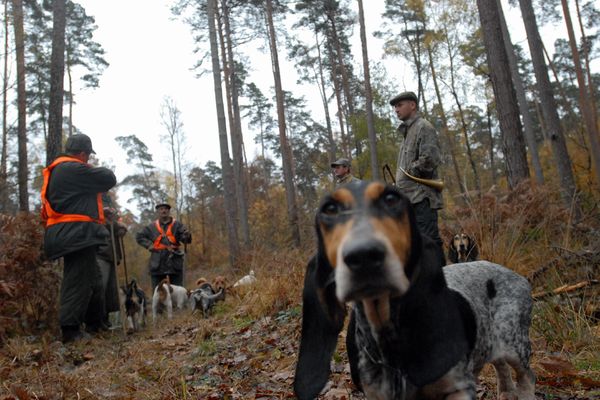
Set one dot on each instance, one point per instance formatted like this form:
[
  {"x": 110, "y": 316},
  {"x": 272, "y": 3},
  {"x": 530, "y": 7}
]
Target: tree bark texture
[
  {"x": 236, "y": 134},
  {"x": 4, "y": 157},
  {"x": 522, "y": 99},
  {"x": 23, "y": 169},
  {"x": 368, "y": 95},
  {"x": 548, "y": 103},
  {"x": 286, "y": 151},
  {"x": 57, "y": 74},
  {"x": 584, "y": 98},
  {"x": 232, "y": 237},
  {"x": 513, "y": 144}
]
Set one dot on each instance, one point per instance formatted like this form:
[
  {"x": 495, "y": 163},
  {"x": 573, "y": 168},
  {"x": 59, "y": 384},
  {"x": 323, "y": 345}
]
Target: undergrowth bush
[{"x": 29, "y": 286}]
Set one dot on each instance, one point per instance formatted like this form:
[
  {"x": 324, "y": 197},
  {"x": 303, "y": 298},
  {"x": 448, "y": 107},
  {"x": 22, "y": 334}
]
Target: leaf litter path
[{"x": 228, "y": 356}]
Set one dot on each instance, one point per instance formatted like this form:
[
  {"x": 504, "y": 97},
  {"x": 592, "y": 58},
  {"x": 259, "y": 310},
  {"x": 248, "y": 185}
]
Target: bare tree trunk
[
  {"x": 23, "y": 171},
  {"x": 584, "y": 98},
  {"x": 445, "y": 130},
  {"x": 225, "y": 160},
  {"x": 506, "y": 100},
  {"x": 341, "y": 114},
  {"x": 4, "y": 156},
  {"x": 345, "y": 83},
  {"x": 585, "y": 47},
  {"x": 57, "y": 74},
  {"x": 491, "y": 138},
  {"x": 461, "y": 113},
  {"x": 236, "y": 135},
  {"x": 332, "y": 148},
  {"x": 286, "y": 151},
  {"x": 368, "y": 94},
  {"x": 549, "y": 107},
  {"x": 522, "y": 98},
  {"x": 70, "y": 91}
]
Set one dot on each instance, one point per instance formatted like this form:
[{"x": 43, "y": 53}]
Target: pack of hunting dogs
[{"x": 416, "y": 327}]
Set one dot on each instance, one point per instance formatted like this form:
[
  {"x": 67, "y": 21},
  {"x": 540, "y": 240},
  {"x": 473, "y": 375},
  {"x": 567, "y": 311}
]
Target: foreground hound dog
[
  {"x": 167, "y": 295},
  {"x": 417, "y": 330},
  {"x": 462, "y": 248},
  {"x": 134, "y": 303}
]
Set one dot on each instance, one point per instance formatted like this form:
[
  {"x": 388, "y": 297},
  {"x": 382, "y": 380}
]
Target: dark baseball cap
[
  {"x": 404, "y": 96},
  {"x": 164, "y": 204},
  {"x": 344, "y": 162},
  {"x": 78, "y": 143}
]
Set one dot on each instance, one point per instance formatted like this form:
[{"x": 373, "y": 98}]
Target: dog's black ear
[
  {"x": 431, "y": 303},
  {"x": 322, "y": 320}
]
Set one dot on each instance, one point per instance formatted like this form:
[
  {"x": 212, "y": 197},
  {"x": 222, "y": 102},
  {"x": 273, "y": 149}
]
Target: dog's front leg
[{"x": 169, "y": 304}]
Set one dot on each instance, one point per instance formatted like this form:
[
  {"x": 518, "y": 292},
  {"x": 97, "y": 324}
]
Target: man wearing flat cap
[
  {"x": 341, "y": 171},
  {"x": 163, "y": 238},
  {"x": 73, "y": 215},
  {"x": 420, "y": 157}
]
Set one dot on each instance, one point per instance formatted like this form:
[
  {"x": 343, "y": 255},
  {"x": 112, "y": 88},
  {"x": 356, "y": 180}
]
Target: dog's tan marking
[
  {"x": 377, "y": 310},
  {"x": 398, "y": 233},
  {"x": 332, "y": 238},
  {"x": 162, "y": 291},
  {"x": 373, "y": 191},
  {"x": 344, "y": 196}
]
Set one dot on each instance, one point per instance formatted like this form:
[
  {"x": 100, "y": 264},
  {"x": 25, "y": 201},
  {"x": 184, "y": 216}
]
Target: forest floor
[{"x": 227, "y": 356}]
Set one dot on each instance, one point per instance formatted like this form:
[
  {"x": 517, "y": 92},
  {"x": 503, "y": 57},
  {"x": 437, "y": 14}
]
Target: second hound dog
[
  {"x": 166, "y": 295},
  {"x": 462, "y": 248},
  {"x": 134, "y": 302},
  {"x": 417, "y": 330}
]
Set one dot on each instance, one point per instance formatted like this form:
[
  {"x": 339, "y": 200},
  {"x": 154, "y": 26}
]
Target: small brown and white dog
[
  {"x": 246, "y": 280},
  {"x": 462, "y": 248},
  {"x": 166, "y": 295},
  {"x": 134, "y": 302}
]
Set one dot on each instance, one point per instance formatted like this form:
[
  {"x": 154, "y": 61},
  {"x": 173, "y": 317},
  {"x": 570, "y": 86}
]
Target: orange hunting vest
[
  {"x": 52, "y": 217},
  {"x": 157, "y": 242}
]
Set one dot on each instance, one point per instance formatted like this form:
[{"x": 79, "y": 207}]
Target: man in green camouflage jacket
[{"x": 420, "y": 157}]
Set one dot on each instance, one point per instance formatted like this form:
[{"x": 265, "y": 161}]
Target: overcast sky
[{"x": 151, "y": 56}]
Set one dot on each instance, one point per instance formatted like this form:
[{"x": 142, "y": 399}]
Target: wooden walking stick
[{"x": 122, "y": 311}]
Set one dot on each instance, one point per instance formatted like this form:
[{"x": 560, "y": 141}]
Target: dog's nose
[{"x": 364, "y": 256}]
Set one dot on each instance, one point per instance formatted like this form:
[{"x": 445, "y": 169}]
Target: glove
[{"x": 186, "y": 236}]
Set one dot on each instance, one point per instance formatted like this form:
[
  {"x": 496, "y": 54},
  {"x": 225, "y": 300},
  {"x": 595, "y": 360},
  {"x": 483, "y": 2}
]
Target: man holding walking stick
[{"x": 109, "y": 256}]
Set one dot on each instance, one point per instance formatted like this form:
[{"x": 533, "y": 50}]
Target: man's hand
[{"x": 186, "y": 236}]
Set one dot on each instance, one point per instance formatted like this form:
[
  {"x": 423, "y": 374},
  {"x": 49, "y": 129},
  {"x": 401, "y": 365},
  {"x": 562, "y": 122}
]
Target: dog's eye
[
  {"x": 330, "y": 208},
  {"x": 391, "y": 199}
]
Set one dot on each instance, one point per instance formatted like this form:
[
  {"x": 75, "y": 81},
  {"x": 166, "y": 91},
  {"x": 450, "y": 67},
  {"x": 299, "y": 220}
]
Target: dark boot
[{"x": 72, "y": 334}]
